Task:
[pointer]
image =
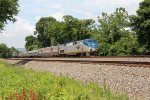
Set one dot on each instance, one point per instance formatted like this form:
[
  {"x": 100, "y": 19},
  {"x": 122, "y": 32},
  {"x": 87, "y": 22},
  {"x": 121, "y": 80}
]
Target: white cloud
[
  {"x": 56, "y": 6},
  {"x": 37, "y": 18},
  {"x": 84, "y": 14},
  {"x": 58, "y": 16},
  {"x": 20, "y": 28},
  {"x": 109, "y": 6},
  {"x": 115, "y": 2},
  {"x": 41, "y": 1},
  {"x": 15, "y": 32}
]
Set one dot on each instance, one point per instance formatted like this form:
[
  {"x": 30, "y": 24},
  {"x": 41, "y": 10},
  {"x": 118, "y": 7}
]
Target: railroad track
[
  {"x": 136, "y": 56},
  {"x": 83, "y": 61}
]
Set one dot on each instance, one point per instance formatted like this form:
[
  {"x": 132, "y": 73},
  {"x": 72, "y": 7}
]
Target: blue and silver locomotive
[{"x": 83, "y": 47}]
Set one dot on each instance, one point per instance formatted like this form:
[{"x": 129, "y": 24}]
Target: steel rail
[
  {"x": 133, "y": 63},
  {"x": 135, "y": 56}
]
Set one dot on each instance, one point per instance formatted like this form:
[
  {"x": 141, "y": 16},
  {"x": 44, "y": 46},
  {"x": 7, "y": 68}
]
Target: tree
[
  {"x": 8, "y": 9},
  {"x": 13, "y": 50},
  {"x": 32, "y": 43},
  {"x": 77, "y": 29},
  {"x": 141, "y": 24},
  {"x": 50, "y": 32},
  {"x": 45, "y": 30},
  {"x": 115, "y": 37},
  {"x": 5, "y": 52}
]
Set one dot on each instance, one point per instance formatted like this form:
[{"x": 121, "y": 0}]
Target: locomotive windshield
[{"x": 90, "y": 42}]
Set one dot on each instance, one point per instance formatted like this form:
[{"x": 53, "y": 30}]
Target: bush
[{"x": 5, "y": 52}]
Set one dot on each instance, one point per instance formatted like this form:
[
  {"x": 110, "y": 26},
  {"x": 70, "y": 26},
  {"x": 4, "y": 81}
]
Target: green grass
[{"x": 17, "y": 82}]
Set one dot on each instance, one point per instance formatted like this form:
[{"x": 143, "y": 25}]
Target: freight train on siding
[{"x": 84, "y": 47}]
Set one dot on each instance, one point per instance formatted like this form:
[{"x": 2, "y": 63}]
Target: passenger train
[{"x": 84, "y": 47}]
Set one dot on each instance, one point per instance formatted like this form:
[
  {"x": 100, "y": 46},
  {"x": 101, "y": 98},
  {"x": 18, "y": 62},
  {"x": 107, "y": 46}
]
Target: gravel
[{"x": 135, "y": 81}]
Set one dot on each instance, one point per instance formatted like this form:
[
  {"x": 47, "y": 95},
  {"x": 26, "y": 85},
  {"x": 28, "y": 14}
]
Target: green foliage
[
  {"x": 115, "y": 37},
  {"x": 32, "y": 43},
  {"x": 29, "y": 83},
  {"x": 123, "y": 47},
  {"x": 5, "y": 52},
  {"x": 77, "y": 29},
  {"x": 8, "y": 9},
  {"x": 141, "y": 24},
  {"x": 13, "y": 50},
  {"x": 45, "y": 30}
]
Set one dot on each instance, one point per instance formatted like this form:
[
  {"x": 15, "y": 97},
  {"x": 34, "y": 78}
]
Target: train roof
[{"x": 70, "y": 43}]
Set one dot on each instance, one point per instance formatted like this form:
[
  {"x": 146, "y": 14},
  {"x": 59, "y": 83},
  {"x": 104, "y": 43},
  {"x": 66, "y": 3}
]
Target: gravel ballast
[{"x": 135, "y": 81}]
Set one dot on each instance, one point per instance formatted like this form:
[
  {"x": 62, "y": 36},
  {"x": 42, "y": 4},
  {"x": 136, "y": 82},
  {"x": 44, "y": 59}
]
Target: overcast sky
[{"x": 31, "y": 11}]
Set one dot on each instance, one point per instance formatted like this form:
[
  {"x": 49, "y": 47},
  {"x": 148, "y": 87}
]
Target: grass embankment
[{"x": 19, "y": 83}]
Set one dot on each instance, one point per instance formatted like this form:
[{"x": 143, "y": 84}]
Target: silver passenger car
[{"x": 48, "y": 52}]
